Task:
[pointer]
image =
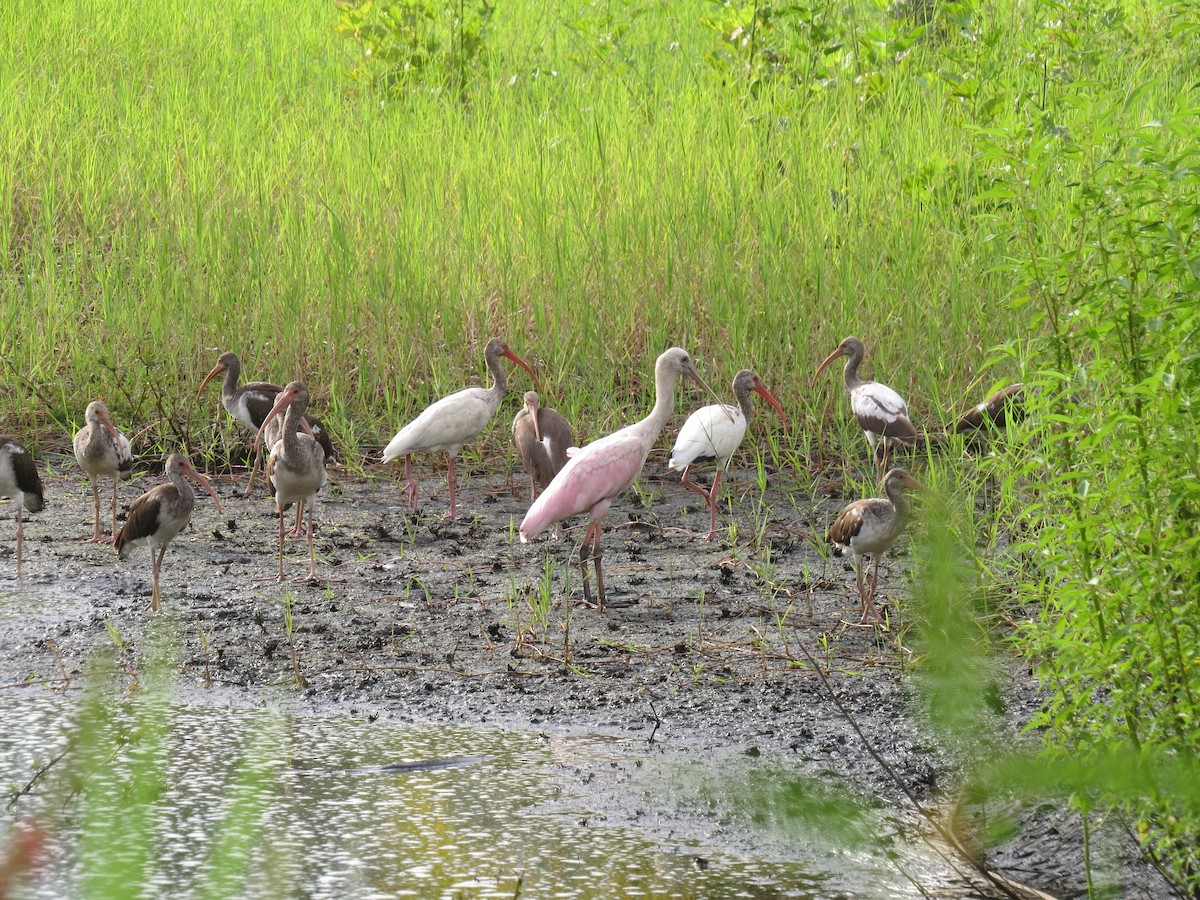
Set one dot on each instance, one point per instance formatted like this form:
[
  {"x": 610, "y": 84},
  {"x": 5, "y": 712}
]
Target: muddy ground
[{"x": 420, "y": 619}]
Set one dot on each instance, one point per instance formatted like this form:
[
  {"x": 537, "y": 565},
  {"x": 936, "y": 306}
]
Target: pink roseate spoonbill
[
  {"x": 250, "y": 404},
  {"x": 453, "y": 421},
  {"x": 102, "y": 450},
  {"x": 713, "y": 433},
  {"x": 881, "y": 413},
  {"x": 20, "y": 483},
  {"x": 542, "y": 436},
  {"x": 160, "y": 514},
  {"x": 596, "y": 474},
  {"x": 870, "y": 527},
  {"x": 296, "y": 466},
  {"x": 1004, "y": 406}
]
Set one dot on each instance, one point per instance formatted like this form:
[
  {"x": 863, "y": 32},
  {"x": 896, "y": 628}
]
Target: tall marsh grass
[{"x": 180, "y": 179}]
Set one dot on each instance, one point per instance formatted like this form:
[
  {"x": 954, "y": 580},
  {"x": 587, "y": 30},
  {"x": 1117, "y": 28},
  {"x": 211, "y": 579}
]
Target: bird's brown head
[
  {"x": 531, "y": 407},
  {"x": 851, "y": 347},
  {"x": 185, "y": 467},
  {"x": 497, "y": 347},
  {"x": 97, "y": 414},
  {"x": 900, "y": 479},
  {"x": 227, "y": 361}
]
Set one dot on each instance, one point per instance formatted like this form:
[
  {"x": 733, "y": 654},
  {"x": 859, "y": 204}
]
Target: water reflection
[{"x": 302, "y": 803}]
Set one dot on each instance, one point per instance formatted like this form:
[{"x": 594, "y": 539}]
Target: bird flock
[{"x": 566, "y": 480}]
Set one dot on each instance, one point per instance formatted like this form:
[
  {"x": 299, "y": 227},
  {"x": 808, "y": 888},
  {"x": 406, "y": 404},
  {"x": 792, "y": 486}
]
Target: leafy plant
[{"x": 407, "y": 43}]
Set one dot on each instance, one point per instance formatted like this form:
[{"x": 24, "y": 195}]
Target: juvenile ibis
[
  {"x": 102, "y": 450},
  {"x": 596, "y": 474},
  {"x": 881, "y": 413},
  {"x": 20, "y": 483},
  {"x": 296, "y": 466},
  {"x": 870, "y": 527},
  {"x": 250, "y": 404},
  {"x": 161, "y": 513},
  {"x": 1004, "y": 406},
  {"x": 713, "y": 433},
  {"x": 453, "y": 421},
  {"x": 542, "y": 436}
]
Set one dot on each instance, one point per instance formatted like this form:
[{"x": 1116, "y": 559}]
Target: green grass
[{"x": 181, "y": 179}]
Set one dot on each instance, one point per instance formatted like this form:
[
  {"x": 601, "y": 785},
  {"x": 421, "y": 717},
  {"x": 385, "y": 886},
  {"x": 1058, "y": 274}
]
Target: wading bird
[
  {"x": 596, "y": 474},
  {"x": 453, "y": 421},
  {"x": 993, "y": 414},
  {"x": 19, "y": 482},
  {"x": 870, "y": 527},
  {"x": 102, "y": 450},
  {"x": 881, "y": 413},
  {"x": 160, "y": 514},
  {"x": 542, "y": 436},
  {"x": 296, "y": 466},
  {"x": 250, "y": 404},
  {"x": 713, "y": 434}
]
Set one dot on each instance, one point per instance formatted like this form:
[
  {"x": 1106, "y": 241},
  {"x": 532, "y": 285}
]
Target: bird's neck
[
  {"x": 743, "y": 399},
  {"x": 230, "y": 385},
  {"x": 664, "y": 406},
  {"x": 851, "y": 373},
  {"x": 499, "y": 380}
]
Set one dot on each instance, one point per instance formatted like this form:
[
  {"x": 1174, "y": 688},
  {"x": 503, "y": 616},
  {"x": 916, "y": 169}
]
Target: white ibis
[
  {"x": 19, "y": 482},
  {"x": 100, "y": 449},
  {"x": 542, "y": 436},
  {"x": 713, "y": 433},
  {"x": 881, "y": 413},
  {"x": 453, "y": 421},
  {"x": 596, "y": 474},
  {"x": 161, "y": 513},
  {"x": 870, "y": 527},
  {"x": 1005, "y": 405},
  {"x": 250, "y": 404},
  {"x": 296, "y": 466}
]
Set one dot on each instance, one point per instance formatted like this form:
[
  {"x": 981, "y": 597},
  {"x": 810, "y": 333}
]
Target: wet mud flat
[{"x": 699, "y": 653}]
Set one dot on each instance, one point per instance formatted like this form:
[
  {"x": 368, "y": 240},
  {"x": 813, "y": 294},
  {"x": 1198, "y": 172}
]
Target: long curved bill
[
  {"x": 508, "y": 354},
  {"x": 694, "y": 374},
  {"x": 762, "y": 391},
  {"x": 191, "y": 472}
]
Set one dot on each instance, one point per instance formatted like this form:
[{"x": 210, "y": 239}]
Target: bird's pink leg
[
  {"x": 584, "y": 552},
  {"x": 156, "y": 558},
  {"x": 280, "y": 577},
  {"x": 95, "y": 538},
  {"x": 597, "y": 554},
  {"x": 870, "y": 605},
  {"x": 312, "y": 553},
  {"x": 20, "y": 536},
  {"x": 112, "y": 537},
  {"x": 253, "y": 470},
  {"x": 410, "y": 485},
  {"x": 298, "y": 530},
  {"x": 453, "y": 514},
  {"x": 709, "y": 498}
]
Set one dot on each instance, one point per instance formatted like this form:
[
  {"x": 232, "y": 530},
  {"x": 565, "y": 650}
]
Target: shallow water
[{"x": 298, "y": 804}]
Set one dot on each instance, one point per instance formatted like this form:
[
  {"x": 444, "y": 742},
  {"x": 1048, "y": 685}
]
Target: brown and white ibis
[
  {"x": 881, "y": 413},
  {"x": 250, "y": 404},
  {"x": 161, "y": 513},
  {"x": 100, "y": 449},
  {"x": 993, "y": 414},
  {"x": 596, "y": 474},
  {"x": 20, "y": 483},
  {"x": 296, "y": 466},
  {"x": 453, "y": 421},
  {"x": 542, "y": 436},
  {"x": 870, "y": 527},
  {"x": 713, "y": 434}
]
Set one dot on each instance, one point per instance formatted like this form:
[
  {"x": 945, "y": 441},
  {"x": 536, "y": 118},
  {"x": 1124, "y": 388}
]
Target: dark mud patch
[{"x": 422, "y": 620}]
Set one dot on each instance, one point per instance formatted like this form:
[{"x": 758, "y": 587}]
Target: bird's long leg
[
  {"x": 112, "y": 537},
  {"x": 870, "y": 597},
  {"x": 95, "y": 538},
  {"x": 584, "y": 552},
  {"x": 298, "y": 530},
  {"x": 20, "y": 535},
  {"x": 597, "y": 555},
  {"x": 709, "y": 498},
  {"x": 280, "y": 577},
  {"x": 312, "y": 553},
  {"x": 858, "y": 580},
  {"x": 253, "y": 470},
  {"x": 156, "y": 558},
  {"x": 453, "y": 514},
  {"x": 410, "y": 485}
]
